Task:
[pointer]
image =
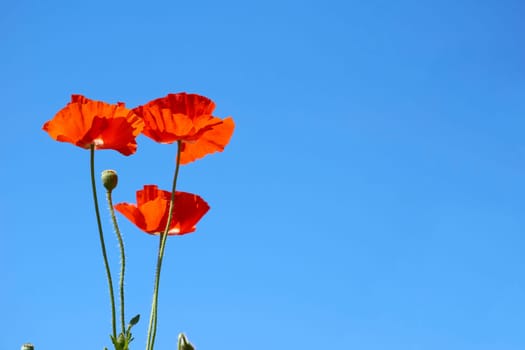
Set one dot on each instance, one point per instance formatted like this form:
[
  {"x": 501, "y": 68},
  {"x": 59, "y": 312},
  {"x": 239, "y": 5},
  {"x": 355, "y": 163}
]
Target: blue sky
[{"x": 372, "y": 196}]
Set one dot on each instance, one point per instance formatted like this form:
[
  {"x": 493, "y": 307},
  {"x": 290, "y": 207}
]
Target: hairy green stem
[
  {"x": 102, "y": 244},
  {"x": 152, "y": 328},
  {"x": 122, "y": 259}
]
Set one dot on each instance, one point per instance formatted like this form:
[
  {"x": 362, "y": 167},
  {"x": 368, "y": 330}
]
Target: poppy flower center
[{"x": 98, "y": 142}]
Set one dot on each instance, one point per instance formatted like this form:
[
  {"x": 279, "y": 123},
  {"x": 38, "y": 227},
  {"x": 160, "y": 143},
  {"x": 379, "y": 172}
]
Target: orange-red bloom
[
  {"x": 187, "y": 118},
  {"x": 84, "y": 122},
  {"x": 150, "y": 214}
]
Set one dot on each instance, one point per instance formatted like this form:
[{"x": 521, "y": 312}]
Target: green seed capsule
[{"x": 109, "y": 179}]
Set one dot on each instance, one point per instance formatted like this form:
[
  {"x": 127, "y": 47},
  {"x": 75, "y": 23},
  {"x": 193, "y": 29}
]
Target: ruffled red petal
[
  {"x": 132, "y": 213},
  {"x": 213, "y": 139},
  {"x": 84, "y": 122},
  {"x": 152, "y": 209},
  {"x": 187, "y": 118}
]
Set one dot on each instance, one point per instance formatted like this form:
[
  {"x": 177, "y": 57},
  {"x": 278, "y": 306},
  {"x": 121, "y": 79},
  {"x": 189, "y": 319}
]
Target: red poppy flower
[
  {"x": 150, "y": 214},
  {"x": 84, "y": 122},
  {"x": 187, "y": 118}
]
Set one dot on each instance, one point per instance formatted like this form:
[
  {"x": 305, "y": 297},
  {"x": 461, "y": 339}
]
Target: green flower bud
[
  {"x": 109, "y": 179},
  {"x": 121, "y": 340},
  {"x": 27, "y": 346},
  {"x": 184, "y": 344}
]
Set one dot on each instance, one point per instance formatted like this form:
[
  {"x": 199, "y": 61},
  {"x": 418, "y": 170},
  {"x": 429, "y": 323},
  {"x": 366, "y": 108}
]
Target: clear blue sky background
[{"x": 372, "y": 196}]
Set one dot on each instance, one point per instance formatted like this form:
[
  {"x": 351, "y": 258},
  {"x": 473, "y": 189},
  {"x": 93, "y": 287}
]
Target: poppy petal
[
  {"x": 152, "y": 209},
  {"x": 212, "y": 140},
  {"x": 132, "y": 213},
  {"x": 156, "y": 214},
  {"x": 188, "y": 210},
  {"x": 84, "y": 122},
  {"x": 192, "y": 105},
  {"x": 187, "y": 118}
]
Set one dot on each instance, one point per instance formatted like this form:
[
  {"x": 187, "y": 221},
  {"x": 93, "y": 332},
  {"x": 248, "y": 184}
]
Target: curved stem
[
  {"x": 122, "y": 259},
  {"x": 155, "y": 300},
  {"x": 152, "y": 328},
  {"x": 102, "y": 244}
]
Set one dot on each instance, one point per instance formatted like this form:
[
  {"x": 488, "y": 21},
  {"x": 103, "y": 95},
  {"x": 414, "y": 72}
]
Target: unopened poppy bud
[
  {"x": 109, "y": 179},
  {"x": 184, "y": 344},
  {"x": 27, "y": 346}
]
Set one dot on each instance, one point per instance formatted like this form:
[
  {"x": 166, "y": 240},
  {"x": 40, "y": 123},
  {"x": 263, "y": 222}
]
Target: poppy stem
[
  {"x": 122, "y": 258},
  {"x": 152, "y": 328},
  {"x": 102, "y": 244}
]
